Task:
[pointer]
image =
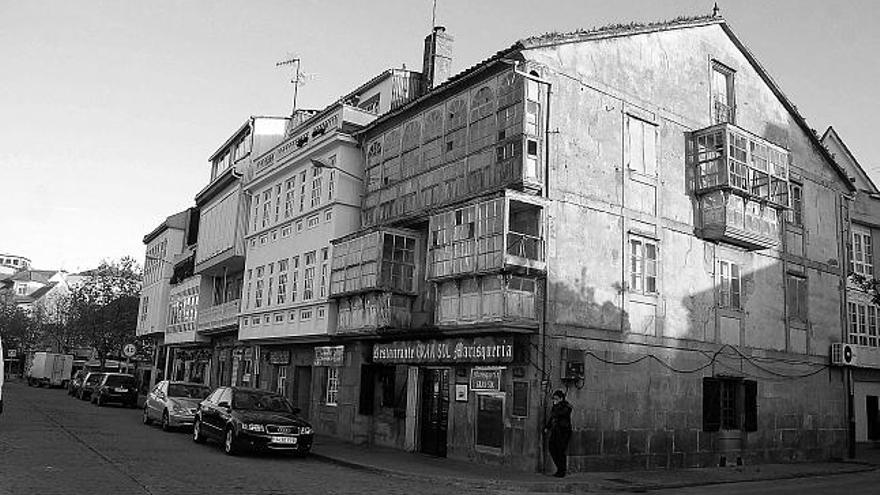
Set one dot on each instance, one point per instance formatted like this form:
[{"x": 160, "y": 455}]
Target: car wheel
[
  {"x": 198, "y": 437},
  {"x": 229, "y": 442},
  {"x": 146, "y": 417},
  {"x": 166, "y": 425}
]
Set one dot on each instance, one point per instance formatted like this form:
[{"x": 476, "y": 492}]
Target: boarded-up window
[{"x": 796, "y": 295}]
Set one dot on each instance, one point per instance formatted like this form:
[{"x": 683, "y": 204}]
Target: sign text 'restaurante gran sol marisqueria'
[{"x": 467, "y": 350}]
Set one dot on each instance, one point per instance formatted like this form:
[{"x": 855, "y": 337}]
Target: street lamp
[{"x": 317, "y": 163}]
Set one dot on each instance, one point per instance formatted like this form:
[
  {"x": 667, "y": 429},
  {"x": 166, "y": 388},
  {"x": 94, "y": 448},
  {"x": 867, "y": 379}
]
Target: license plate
[
  {"x": 120, "y": 390},
  {"x": 290, "y": 440}
]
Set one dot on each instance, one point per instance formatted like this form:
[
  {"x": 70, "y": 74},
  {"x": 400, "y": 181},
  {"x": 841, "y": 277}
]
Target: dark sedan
[
  {"x": 117, "y": 388},
  {"x": 252, "y": 419}
]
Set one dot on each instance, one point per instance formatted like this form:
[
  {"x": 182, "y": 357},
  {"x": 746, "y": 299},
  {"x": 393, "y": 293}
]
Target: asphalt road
[{"x": 54, "y": 444}]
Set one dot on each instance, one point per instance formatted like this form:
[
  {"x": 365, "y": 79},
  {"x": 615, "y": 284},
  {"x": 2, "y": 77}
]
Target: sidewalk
[{"x": 406, "y": 465}]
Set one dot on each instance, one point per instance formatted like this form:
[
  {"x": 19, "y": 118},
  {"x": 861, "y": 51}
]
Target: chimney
[{"x": 437, "y": 61}]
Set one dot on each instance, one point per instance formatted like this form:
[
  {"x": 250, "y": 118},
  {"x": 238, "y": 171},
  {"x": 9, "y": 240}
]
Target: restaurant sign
[
  {"x": 463, "y": 350},
  {"x": 486, "y": 379},
  {"x": 333, "y": 355}
]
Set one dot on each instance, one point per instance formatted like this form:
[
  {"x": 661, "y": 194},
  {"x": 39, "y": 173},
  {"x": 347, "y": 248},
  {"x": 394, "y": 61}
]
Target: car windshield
[
  {"x": 94, "y": 378},
  {"x": 260, "y": 402},
  {"x": 118, "y": 381},
  {"x": 188, "y": 391}
]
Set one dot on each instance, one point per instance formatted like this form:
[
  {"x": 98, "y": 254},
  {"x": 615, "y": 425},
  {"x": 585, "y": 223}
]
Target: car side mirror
[{"x": 296, "y": 410}]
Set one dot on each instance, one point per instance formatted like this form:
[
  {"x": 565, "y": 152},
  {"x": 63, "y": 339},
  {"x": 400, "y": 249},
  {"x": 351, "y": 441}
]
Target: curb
[{"x": 586, "y": 485}]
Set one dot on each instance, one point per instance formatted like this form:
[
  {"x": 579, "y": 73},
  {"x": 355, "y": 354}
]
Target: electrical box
[{"x": 572, "y": 364}]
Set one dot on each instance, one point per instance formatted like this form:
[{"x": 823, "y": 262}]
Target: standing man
[{"x": 559, "y": 426}]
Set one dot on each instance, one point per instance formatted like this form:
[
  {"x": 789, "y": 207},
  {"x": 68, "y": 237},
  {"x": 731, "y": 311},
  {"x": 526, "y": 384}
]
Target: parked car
[
  {"x": 252, "y": 419},
  {"x": 174, "y": 403},
  {"x": 76, "y": 382},
  {"x": 118, "y": 388},
  {"x": 90, "y": 383}
]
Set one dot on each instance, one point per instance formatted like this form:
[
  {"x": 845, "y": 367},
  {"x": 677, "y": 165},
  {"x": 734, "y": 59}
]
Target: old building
[
  {"x": 635, "y": 214},
  {"x": 859, "y": 349},
  {"x": 162, "y": 245},
  {"x": 11, "y": 263},
  {"x": 305, "y": 192},
  {"x": 219, "y": 259}
]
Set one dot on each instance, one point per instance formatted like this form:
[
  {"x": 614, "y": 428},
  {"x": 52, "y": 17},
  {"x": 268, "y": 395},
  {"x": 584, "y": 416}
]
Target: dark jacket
[{"x": 560, "y": 417}]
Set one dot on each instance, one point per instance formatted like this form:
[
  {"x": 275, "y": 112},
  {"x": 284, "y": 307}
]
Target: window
[
  {"x": 641, "y": 148},
  {"x": 316, "y": 191},
  {"x": 305, "y": 315},
  {"x": 490, "y": 421},
  {"x": 281, "y": 380},
  {"x": 331, "y": 184},
  {"x": 308, "y": 283},
  {"x": 255, "y": 320},
  {"x": 332, "y": 386},
  {"x": 861, "y": 260},
  {"x": 328, "y": 215},
  {"x": 314, "y": 221},
  {"x": 322, "y": 289},
  {"x": 321, "y": 312},
  {"x": 862, "y": 324},
  {"x": 730, "y": 404},
  {"x": 643, "y": 266},
  {"x": 728, "y": 285},
  {"x": 723, "y": 105},
  {"x": 302, "y": 191},
  {"x": 285, "y": 231},
  {"x": 289, "y": 189},
  {"x": 258, "y": 295},
  {"x": 299, "y": 227},
  {"x": 282, "y": 288},
  {"x": 277, "y": 202},
  {"x": 796, "y": 296},
  {"x": 267, "y": 205},
  {"x": 269, "y": 292},
  {"x": 796, "y": 213}
]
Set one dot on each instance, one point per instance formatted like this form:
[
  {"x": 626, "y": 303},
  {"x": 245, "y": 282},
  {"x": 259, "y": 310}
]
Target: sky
[{"x": 109, "y": 110}]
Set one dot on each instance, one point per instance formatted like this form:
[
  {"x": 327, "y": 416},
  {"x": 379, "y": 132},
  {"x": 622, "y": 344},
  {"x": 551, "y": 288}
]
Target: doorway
[
  {"x": 435, "y": 411},
  {"x": 303, "y": 383},
  {"x": 873, "y": 413}
]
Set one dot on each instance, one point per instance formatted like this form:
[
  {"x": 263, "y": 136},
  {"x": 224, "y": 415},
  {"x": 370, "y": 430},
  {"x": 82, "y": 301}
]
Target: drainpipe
[{"x": 545, "y": 303}]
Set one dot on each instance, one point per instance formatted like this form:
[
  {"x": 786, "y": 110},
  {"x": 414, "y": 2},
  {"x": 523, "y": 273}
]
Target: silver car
[{"x": 174, "y": 404}]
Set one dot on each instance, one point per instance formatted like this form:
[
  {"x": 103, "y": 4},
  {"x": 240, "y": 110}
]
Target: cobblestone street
[{"x": 54, "y": 444}]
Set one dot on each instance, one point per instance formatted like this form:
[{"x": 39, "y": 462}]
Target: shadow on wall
[{"x": 576, "y": 305}]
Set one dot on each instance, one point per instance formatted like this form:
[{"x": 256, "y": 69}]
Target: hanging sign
[
  {"x": 485, "y": 380},
  {"x": 333, "y": 355}
]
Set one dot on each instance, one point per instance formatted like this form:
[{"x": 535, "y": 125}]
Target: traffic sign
[{"x": 129, "y": 350}]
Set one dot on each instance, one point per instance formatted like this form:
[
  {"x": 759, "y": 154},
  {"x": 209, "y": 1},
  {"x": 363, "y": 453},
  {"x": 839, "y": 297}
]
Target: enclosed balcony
[
  {"x": 495, "y": 235},
  {"x": 487, "y": 299},
  {"x": 741, "y": 184},
  {"x": 361, "y": 313},
  {"x": 383, "y": 260}
]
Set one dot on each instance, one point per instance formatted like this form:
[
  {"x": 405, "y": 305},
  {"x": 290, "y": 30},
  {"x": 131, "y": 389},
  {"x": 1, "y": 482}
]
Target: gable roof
[
  {"x": 42, "y": 291},
  {"x": 618, "y": 30},
  {"x": 41, "y": 276},
  {"x": 831, "y": 134}
]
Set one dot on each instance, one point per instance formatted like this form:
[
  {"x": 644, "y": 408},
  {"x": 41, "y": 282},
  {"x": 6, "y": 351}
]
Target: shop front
[
  {"x": 190, "y": 364},
  {"x": 471, "y": 398}
]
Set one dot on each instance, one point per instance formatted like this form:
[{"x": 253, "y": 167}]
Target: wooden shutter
[
  {"x": 368, "y": 387},
  {"x": 711, "y": 404},
  {"x": 750, "y": 405}
]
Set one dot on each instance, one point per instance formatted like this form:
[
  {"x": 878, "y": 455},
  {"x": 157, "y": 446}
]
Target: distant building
[{"x": 10, "y": 263}]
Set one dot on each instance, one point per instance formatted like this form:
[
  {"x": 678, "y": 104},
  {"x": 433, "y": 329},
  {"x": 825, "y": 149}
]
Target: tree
[
  {"x": 102, "y": 311},
  {"x": 18, "y": 329}
]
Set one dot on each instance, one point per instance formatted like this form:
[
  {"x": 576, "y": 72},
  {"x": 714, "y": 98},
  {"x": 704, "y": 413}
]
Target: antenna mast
[
  {"x": 297, "y": 78},
  {"x": 434, "y": 14}
]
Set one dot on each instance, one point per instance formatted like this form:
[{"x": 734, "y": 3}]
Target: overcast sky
[{"x": 110, "y": 109}]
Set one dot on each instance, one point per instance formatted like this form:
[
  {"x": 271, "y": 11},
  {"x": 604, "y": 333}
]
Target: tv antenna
[{"x": 299, "y": 78}]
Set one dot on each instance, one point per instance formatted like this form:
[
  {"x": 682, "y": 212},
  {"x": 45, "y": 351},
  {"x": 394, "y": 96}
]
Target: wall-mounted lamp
[{"x": 318, "y": 163}]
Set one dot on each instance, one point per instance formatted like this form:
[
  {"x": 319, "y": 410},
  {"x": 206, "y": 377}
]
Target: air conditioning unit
[
  {"x": 857, "y": 356},
  {"x": 842, "y": 354}
]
